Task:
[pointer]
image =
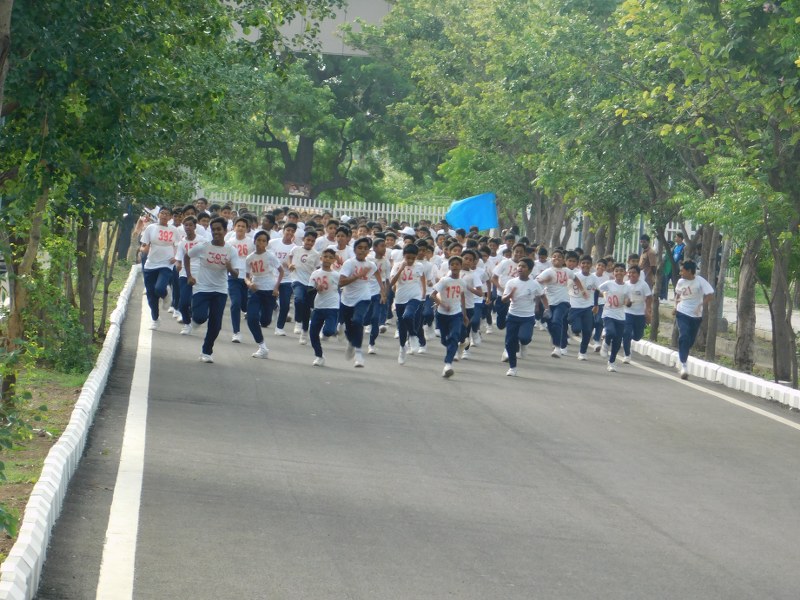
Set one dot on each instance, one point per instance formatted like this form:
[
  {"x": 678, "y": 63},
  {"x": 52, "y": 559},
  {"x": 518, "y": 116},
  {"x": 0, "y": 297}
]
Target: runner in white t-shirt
[
  {"x": 556, "y": 280},
  {"x": 448, "y": 295},
  {"x": 638, "y": 310},
  {"x": 354, "y": 281},
  {"x": 410, "y": 285},
  {"x": 521, "y": 294},
  {"x": 237, "y": 288},
  {"x": 692, "y": 294},
  {"x": 158, "y": 241},
  {"x": 325, "y": 316},
  {"x": 303, "y": 260},
  {"x": 616, "y": 295},
  {"x": 281, "y": 248},
  {"x": 583, "y": 306},
  {"x": 212, "y": 262},
  {"x": 264, "y": 274}
]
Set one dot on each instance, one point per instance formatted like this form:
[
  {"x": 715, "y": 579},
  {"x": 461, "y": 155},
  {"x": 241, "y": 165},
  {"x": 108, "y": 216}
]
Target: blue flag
[{"x": 480, "y": 210}]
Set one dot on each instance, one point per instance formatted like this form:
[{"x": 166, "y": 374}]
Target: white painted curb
[
  {"x": 20, "y": 572},
  {"x": 700, "y": 369}
]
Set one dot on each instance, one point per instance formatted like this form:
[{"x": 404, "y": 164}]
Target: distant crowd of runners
[{"x": 356, "y": 276}]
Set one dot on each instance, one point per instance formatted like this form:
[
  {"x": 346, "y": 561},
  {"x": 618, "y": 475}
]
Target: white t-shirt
[
  {"x": 243, "y": 249},
  {"x": 358, "y": 290},
  {"x": 505, "y": 270},
  {"x": 615, "y": 295},
  {"x": 281, "y": 252},
  {"x": 183, "y": 247},
  {"x": 449, "y": 291},
  {"x": 468, "y": 277},
  {"x": 576, "y": 298},
  {"x": 409, "y": 284},
  {"x": 323, "y": 242},
  {"x": 209, "y": 266},
  {"x": 523, "y": 302},
  {"x": 162, "y": 240},
  {"x": 690, "y": 294},
  {"x": 556, "y": 284},
  {"x": 342, "y": 256},
  {"x": 305, "y": 263},
  {"x": 479, "y": 278},
  {"x": 606, "y": 276},
  {"x": 263, "y": 270},
  {"x": 637, "y": 294},
  {"x": 329, "y": 282},
  {"x": 383, "y": 267},
  {"x": 540, "y": 267}
]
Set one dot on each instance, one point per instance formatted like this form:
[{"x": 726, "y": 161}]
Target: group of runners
[{"x": 354, "y": 277}]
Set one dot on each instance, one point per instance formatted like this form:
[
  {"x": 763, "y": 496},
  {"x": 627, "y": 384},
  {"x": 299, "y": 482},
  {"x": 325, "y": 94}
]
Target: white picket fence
[{"x": 372, "y": 210}]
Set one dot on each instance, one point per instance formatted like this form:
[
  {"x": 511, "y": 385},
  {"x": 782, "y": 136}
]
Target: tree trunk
[
  {"x": 15, "y": 329},
  {"x": 299, "y": 171},
  {"x": 611, "y": 240},
  {"x": 86, "y": 246},
  {"x": 707, "y": 265},
  {"x": 781, "y": 313},
  {"x": 744, "y": 356},
  {"x": 600, "y": 244},
  {"x": 114, "y": 235},
  {"x": 714, "y": 305},
  {"x": 5, "y": 43},
  {"x": 588, "y": 236}
]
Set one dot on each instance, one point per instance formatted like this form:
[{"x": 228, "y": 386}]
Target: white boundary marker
[
  {"x": 20, "y": 572},
  {"x": 119, "y": 550}
]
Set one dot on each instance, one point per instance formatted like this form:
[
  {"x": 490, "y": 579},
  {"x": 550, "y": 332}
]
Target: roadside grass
[{"x": 58, "y": 392}]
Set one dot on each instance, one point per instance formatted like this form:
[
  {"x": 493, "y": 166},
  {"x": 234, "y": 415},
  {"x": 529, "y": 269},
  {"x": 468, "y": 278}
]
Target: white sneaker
[
  {"x": 401, "y": 357},
  {"x": 488, "y": 330},
  {"x": 504, "y": 356},
  {"x": 178, "y": 316},
  {"x": 564, "y": 352},
  {"x": 414, "y": 341},
  {"x": 262, "y": 352},
  {"x": 155, "y": 324},
  {"x": 397, "y": 334},
  {"x": 604, "y": 351},
  {"x": 236, "y": 338},
  {"x": 542, "y": 327},
  {"x": 595, "y": 347},
  {"x": 422, "y": 350},
  {"x": 371, "y": 350},
  {"x": 611, "y": 368},
  {"x": 581, "y": 356},
  {"x": 476, "y": 338},
  {"x": 465, "y": 355},
  {"x": 171, "y": 310},
  {"x": 437, "y": 333},
  {"x": 349, "y": 352},
  {"x": 359, "y": 359},
  {"x": 367, "y": 328},
  {"x": 206, "y": 358},
  {"x": 318, "y": 362},
  {"x": 430, "y": 332},
  {"x": 556, "y": 353},
  {"x": 280, "y": 332},
  {"x": 523, "y": 350},
  {"x": 626, "y": 359},
  {"x": 684, "y": 372},
  {"x": 297, "y": 328},
  {"x": 303, "y": 338},
  {"x": 448, "y": 370},
  {"x": 187, "y": 329},
  {"x": 511, "y": 372}
]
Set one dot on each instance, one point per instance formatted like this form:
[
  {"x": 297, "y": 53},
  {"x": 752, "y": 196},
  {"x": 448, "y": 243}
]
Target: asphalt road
[{"x": 276, "y": 480}]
